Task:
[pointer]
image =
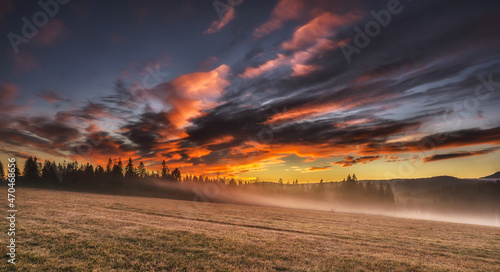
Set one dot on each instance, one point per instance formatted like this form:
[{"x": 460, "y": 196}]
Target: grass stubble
[{"x": 67, "y": 231}]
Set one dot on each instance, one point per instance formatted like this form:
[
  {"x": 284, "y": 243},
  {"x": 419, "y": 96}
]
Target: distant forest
[{"x": 120, "y": 178}]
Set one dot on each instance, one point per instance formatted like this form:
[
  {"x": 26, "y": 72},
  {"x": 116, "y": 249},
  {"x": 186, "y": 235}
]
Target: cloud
[
  {"x": 350, "y": 161},
  {"x": 449, "y": 139},
  {"x": 325, "y": 25},
  {"x": 217, "y": 25},
  {"x": 188, "y": 95},
  {"x": 57, "y": 132},
  {"x": 252, "y": 72},
  {"x": 51, "y": 33},
  {"x": 319, "y": 168},
  {"x": 456, "y": 155},
  {"x": 8, "y": 93},
  {"x": 286, "y": 10},
  {"x": 51, "y": 96},
  {"x": 25, "y": 62}
]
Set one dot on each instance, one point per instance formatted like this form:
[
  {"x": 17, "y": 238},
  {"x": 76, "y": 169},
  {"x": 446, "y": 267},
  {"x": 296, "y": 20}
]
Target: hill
[{"x": 494, "y": 176}]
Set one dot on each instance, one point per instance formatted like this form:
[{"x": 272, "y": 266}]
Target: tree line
[
  {"x": 353, "y": 189},
  {"x": 66, "y": 174}
]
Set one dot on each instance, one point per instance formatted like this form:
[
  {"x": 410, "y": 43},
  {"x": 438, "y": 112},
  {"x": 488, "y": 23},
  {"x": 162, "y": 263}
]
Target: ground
[{"x": 67, "y": 231}]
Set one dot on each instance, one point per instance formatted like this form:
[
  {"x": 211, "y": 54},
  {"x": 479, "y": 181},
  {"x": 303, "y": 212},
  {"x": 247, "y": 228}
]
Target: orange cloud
[
  {"x": 304, "y": 113},
  {"x": 309, "y": 41},
  {"x": 252, "y": 72},
  {"x": 323, "y": 26},
  {"x": 286, "y": 10},
  {"x": 188, "y": 95},
  {"x": 322, "y": 168}
]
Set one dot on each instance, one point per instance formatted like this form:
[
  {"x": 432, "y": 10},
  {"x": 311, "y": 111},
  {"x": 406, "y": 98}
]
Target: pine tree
[
  {"x": 165, "y": 172},
  {"x": 130, "y": 170},
  {"x": 99, "y": 172},
  {"x": 176, "y": 174},
  {"x": 2, "y": 173},
  {"x": 17, "y": 172},
  {"x": 141, "y": 170},
  {"x": 89, "y": 172},
  {"x": 47, "y": 171},
  {"x": 30, "y": 172},
  {"x": 117, "y": 171},
  {"x": 109, "y": 167}
]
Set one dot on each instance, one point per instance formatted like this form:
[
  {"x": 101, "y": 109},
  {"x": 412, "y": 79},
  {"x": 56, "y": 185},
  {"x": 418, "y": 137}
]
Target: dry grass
[{"x": 63, "y": 231}]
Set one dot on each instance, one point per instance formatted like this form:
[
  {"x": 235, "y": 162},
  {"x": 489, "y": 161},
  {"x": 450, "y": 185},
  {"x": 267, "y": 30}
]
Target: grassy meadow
[{"x": 67, "y": 231}]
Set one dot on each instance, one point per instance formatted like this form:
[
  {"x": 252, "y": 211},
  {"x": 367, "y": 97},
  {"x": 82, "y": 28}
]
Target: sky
[{"x": 290, "y": 89}]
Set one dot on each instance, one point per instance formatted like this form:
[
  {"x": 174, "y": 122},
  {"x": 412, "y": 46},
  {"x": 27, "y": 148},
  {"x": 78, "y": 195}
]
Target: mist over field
[{"x": 329, "y": 197}]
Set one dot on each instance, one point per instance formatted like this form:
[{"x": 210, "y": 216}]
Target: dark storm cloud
[
  {"x": 147, "y": 131},
  {"x": 101, "y": 143},
  {"x": 456, "y": 155},
  {"x": 448, "y": 139},
  {"x": 350, "y": 161}
]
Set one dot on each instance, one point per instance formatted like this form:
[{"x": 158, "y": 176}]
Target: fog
[{"x": 300, "y": 197}]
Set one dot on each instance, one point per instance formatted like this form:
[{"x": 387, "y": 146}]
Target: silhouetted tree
[
  {"x": 89, "y": 172},
  {"x": 49, "y": 175},
  {"x": 109, "y": 166},
  {"x": 176, "y": 174},
  {"x": 99, "y": 173},
  {"x": 117, "y": 171},
  {"x": 130, "y": 170},
  {"x": 165, "y": 172},
  {"x": 349, "y": 179},
  {"x": 232, "y": 182},
  {"x": 141, "y": 170},
  {"x": 30, "y": 172},
  {"x": 2, "y": 173},
  {"x": 17, "y": 172}
]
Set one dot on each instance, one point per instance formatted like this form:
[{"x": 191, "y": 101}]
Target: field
[{"x": 66, "y": 231}]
